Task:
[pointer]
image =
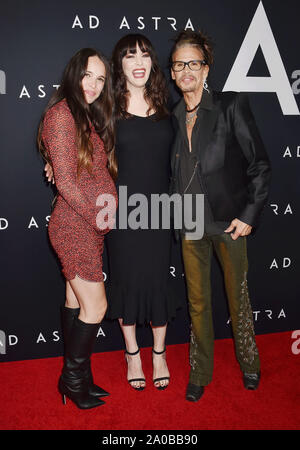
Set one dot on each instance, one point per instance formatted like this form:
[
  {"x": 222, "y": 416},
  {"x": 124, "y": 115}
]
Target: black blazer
[{"x": 233, "y": 163}]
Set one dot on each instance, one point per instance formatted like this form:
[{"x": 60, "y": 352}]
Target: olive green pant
[{"x": 232, "y": 256}]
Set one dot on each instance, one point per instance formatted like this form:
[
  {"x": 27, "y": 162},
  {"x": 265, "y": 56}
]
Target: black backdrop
[{"x": 36, "y": 39}]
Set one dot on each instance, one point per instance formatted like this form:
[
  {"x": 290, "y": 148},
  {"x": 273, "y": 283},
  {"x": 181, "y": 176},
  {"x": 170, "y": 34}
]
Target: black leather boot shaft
[
  {"x": 73, "y": 383},
  {"x": 68, "y": 316}
]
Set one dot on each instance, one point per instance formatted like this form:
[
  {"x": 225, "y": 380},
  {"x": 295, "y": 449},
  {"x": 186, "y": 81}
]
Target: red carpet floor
[{"x": 29, "y": 399}]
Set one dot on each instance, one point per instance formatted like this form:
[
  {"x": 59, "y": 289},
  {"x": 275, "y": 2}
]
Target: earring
[{"x": 205, "y": 86}]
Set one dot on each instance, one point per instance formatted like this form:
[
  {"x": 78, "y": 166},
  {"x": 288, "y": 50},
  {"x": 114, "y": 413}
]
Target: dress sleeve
[{"x": 59, "y": 136}]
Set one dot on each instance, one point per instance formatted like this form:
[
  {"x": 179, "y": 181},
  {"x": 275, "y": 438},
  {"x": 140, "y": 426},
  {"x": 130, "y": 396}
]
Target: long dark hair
[
  {"x": 195, "y": 39},
  {"x": 99, "y": 113},
  {"x": 156, "y": 92}
]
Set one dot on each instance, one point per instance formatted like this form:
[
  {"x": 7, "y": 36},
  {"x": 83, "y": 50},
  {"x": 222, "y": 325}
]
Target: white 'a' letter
[
  {"x": 77, "y": 23},
  {"x": 260, "y": 34}
]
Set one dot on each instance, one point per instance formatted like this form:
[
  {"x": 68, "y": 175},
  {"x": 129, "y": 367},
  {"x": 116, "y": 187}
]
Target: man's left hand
[{"x": 241, "y": 229}]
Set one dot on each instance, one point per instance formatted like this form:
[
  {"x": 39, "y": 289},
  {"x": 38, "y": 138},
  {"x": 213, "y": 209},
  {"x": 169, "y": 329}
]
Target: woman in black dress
[{"x": 139, "y": 259}]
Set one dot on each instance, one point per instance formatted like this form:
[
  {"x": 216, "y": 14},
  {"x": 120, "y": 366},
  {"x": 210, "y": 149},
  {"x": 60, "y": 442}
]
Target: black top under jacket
[{"x": 190, "y": 180}]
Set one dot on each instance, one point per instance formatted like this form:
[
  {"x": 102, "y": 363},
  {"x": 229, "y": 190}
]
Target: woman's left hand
[{"x": 49, "y": 173}]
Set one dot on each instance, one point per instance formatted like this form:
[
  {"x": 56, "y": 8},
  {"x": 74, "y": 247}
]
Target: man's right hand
[{"x": 49, "y": 173}]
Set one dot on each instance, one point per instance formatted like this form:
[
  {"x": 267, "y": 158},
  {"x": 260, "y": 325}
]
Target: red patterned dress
[{"x": 73, "y": 230}]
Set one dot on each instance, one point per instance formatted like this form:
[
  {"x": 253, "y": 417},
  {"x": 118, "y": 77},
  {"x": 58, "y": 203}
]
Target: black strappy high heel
[
  {"x": 160, "y": 388},
  {"x": 140, "y": 388}
]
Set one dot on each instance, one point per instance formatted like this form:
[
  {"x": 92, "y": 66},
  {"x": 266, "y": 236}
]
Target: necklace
[
  {"x": 189, "y": 119},
  {"x": 193, "y": 109}
]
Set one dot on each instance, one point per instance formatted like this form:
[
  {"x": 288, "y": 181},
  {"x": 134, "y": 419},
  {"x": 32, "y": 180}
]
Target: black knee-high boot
[
  {"x": 73, "y": 383},
  {"x": 68, "y": 315}
]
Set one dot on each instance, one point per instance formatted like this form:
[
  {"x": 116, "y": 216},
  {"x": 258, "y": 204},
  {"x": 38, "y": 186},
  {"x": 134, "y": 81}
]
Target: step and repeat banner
[{"x": 256, "y": 51}]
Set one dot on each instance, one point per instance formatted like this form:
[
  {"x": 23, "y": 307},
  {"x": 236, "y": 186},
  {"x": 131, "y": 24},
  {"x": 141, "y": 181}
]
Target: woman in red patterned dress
[{"x": 76, "y": 136}]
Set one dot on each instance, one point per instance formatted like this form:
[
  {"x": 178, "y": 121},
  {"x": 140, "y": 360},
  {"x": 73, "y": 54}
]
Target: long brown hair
[
  {"x": 99, "y": 113},
  {"x": 156, "y": 92}
]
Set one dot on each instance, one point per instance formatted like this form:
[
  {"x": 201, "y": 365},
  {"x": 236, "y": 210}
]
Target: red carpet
[{"x": 29, "y": 399}]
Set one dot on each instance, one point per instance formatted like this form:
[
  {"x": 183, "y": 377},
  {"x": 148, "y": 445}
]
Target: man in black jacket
[{"x": 217, "y": 152}]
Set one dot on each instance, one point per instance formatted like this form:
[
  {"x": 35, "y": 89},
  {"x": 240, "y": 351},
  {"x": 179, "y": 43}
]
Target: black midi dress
[{"x": 139, "y": 287}]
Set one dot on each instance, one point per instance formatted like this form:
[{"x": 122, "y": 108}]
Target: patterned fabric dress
[{"x": 73, "y": 230}]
